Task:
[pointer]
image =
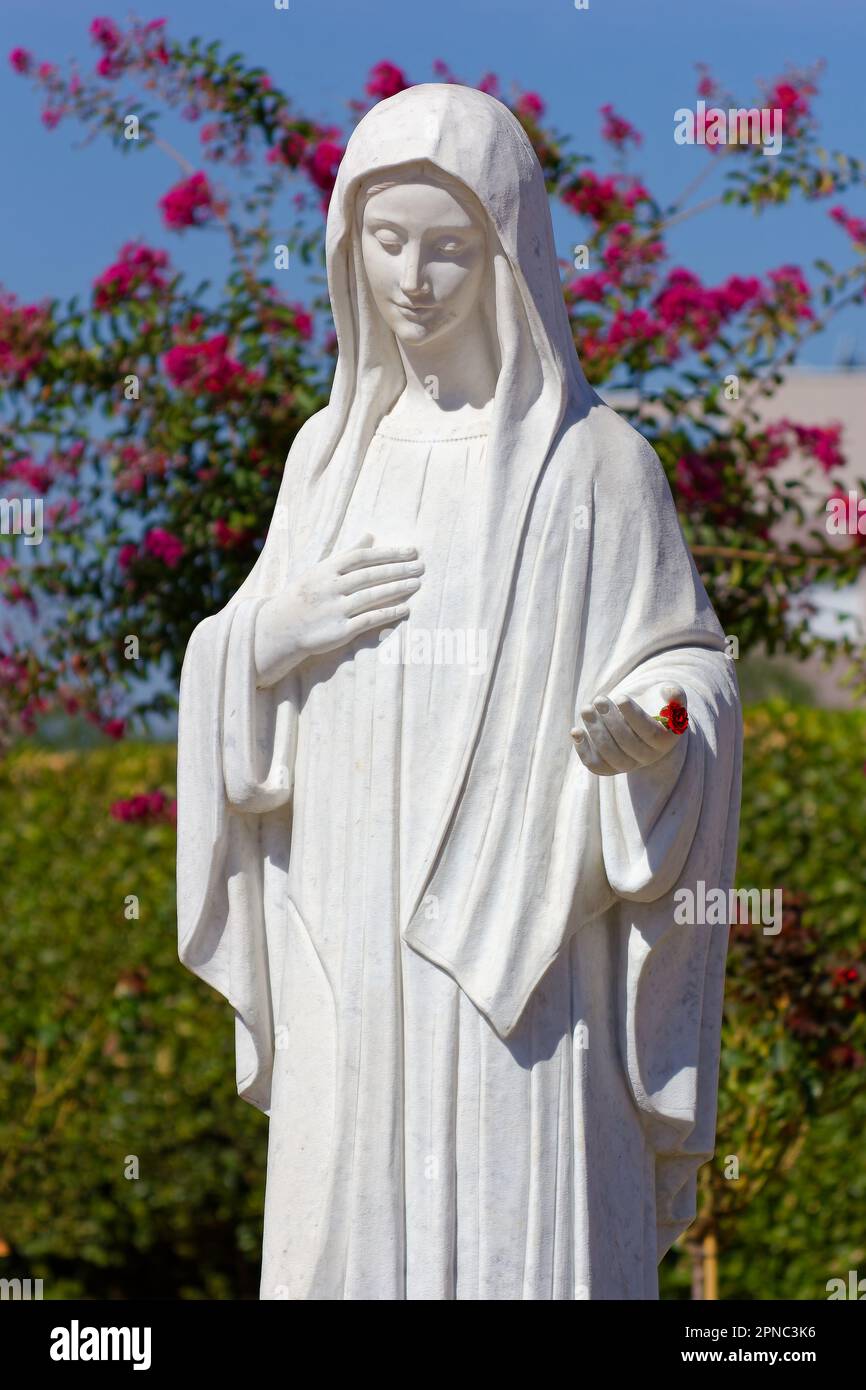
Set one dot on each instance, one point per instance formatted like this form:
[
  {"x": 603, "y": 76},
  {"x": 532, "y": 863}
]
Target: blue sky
[{"x": 69, "y": 209}]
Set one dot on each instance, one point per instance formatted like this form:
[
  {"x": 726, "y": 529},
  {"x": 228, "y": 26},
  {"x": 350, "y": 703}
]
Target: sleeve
[
  {"x": 672, "y": 826},
  {"x": 236, "y": 749}
]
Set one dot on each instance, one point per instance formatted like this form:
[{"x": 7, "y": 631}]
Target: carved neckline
[{"x": 424, "y": 433}]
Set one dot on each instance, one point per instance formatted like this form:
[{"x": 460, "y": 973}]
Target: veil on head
[{"x": 474, "y": 139}]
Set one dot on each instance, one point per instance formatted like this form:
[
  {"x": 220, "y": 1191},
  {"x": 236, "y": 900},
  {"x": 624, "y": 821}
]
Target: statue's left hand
[{"x": 620, "y": 734}]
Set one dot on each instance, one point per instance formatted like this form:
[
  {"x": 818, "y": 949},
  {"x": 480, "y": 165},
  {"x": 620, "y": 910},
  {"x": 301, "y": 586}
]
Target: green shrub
[{"x": 110, "y": 1049}]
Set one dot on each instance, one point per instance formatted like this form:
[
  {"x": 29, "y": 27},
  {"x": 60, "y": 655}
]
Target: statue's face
[{"x": 425, "y": 255}]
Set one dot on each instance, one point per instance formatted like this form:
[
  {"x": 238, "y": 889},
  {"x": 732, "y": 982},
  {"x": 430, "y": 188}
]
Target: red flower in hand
[{"x": 675, "y": 717}]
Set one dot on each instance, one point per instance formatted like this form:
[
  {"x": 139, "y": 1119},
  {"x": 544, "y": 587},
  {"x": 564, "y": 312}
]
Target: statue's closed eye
[{"x": 388, "y": 241}]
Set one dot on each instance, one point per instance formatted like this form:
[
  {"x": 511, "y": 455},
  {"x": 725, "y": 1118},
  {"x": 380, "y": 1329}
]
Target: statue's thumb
[
  {"x": 362, "y": 544},
  {"x": 674, "y": 692}
]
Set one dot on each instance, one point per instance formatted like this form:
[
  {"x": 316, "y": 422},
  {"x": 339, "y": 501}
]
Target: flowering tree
[
  {"x": 151, "y": 417},
  {"x": 153, "y": 518}
]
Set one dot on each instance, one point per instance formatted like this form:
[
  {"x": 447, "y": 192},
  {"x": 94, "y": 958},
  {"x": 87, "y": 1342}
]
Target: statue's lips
[{"x": 419, "y": 312}]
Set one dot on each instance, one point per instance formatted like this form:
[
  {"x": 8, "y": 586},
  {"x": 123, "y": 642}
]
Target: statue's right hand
[{"x": 337, "y": 600}]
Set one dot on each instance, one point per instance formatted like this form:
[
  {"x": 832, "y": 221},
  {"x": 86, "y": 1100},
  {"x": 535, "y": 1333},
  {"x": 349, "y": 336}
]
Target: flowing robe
[{"x": 501, "y": 1088}]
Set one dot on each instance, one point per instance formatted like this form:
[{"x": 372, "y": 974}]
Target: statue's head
[{"x": 424, "y": 246}]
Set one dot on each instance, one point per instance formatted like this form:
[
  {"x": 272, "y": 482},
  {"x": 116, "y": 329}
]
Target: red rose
[{"x": 675, "y": 717}]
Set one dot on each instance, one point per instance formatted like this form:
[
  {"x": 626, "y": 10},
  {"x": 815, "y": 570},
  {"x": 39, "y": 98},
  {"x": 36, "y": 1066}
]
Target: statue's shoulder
[
  {"x": 600, "y": 444},
  {"x": 308, "y": 433}
]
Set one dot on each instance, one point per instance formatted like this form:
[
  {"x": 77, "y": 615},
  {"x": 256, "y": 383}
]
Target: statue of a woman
[{"x": 430, "y": 829}]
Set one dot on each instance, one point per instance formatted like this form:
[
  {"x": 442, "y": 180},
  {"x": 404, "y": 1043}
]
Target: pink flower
[
  {"x": 820, "y": 442},
  {"x": 626, "y": 250},
  {"x": 21, "y": 60},
  {"x": 139, "y": 268},
  {"x": 385, "y": 80},
  {"x": 854, "y": 226},
  {"x": 25, "y": 331},
  {"x": 137, "y": 463},
  {"x": 592, "y": 288},
  {"x": 162, "y": 545},
  {"x": 189, "y": 203},
  {"x": 106, "y": 33},
  {"x": 146, "y": 806},
  {"x": 603, "y": 200},
  {"x": 108, "y": 66},
  {"x": 791, "y": 101},
  {"x": 52, "y": 116},
  {"x": 35, "y": 476},
  {"x": 205, "y": 366},
  {"x": 737, "y": 292},
  {"x": 303, "y": 322},
  {"x": 530, "y": 106},
  {"x": 290, "y": 150},
  {"x": 701, "y": 486},
  {"x": 322, "y": 164},
  {"x": 793, "y": 291},
  {"x": 707, "y": 85},
  {"x": 114, "y": 728},
  {"x": 226, "y": 536},
  {"x": 630, "y": 328},
  {"x": 127, "y": 555},
  {"x": 616, "y": 130}
]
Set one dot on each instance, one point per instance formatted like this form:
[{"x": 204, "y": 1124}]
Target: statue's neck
[{"x": 452, "y": 379}]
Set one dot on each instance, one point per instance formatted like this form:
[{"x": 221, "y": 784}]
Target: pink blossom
[
  {"x": 25, "y": 331},
  {"x": 226, "y": 536},
  {"x": 52, "y": 116},
  {"x": 616, "y": 130},
  {"x": 699, "y": 480},
  {"x": 139, "y": 268},
  {"x": 127, "y": 555},
  {"x": 302, "y": 322},
  {"x": 35, "y": 476},
  {"x": 793, "y": 291},
  {"x": 106, "y": 33},
  {"x": 737, "y": 292},
  {"x": 603, "y": 200},
  {"x": 322, "y": 164},
  {"x": 21, "y": 60},
  {"x": 146, "y": 806},
  {"x": 137, "y": 464},
  {"x": 530, "y": 106},
  {"x": 289, "y": 151},
  {"x": 854, "y": 226},
  {"x": 592, "y": 288},
  {"x": 790, "y": 99},
  {"x": 162, "y": 545},
  {"x": 385, "y": 80},
  {"x": 628, "y": 328},
  {"x": 205, "y": 366},
  {"x": 189, "y": 203},
  {"x": 625, "y": 249}
]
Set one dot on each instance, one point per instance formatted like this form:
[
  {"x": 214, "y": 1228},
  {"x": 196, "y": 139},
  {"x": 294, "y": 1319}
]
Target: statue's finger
[
  {"x": 605, "y": 747},
  {"x": 621, "y": 732},
  {"x": 643, "y": 724}
]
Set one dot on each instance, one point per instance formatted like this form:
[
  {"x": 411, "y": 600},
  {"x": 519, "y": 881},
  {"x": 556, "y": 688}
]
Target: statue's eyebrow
[{"x": 374, "y": 218}]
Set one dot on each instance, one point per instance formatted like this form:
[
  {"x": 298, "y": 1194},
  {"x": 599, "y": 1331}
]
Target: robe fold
[{"x": 489, "y": 1054}]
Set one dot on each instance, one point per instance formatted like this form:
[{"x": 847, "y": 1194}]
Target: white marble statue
[{"x": 429, "y": 827}]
